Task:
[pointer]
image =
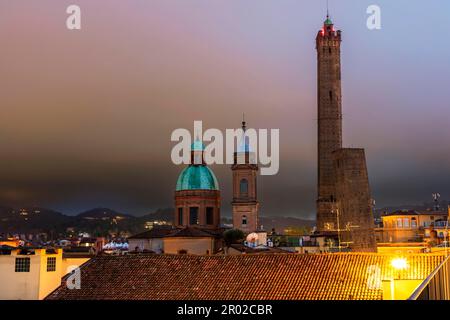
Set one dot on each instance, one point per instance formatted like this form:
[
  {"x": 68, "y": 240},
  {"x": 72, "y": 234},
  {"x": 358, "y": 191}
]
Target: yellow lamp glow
[{"x": 399, "y": 263}]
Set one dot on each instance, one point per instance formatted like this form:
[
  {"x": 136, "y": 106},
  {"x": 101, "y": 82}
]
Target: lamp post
[{"x": 397, "y": 265}]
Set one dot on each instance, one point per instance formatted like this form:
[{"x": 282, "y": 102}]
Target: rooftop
[
  {"x": 342, "y": 276},
  {"x": 156, "y": 232},
  {"x": 190, "y": 232},
  {"x": 170, "y": 231},
  {"x": 413, "y": 213}
]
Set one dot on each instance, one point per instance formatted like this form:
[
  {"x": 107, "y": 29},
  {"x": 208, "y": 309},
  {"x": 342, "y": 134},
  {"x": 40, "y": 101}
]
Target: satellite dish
[{"x": 252, "y": 237}]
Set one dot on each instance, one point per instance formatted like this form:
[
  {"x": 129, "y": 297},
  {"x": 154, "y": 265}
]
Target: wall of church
[{"x": 195, "y": 245}]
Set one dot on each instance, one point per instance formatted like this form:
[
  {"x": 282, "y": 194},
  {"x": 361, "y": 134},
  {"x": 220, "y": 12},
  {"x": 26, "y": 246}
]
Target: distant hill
[
  {"x": 102, "y": 213},
  {"x": 282, "y": 223},
  {"x": 160, "y": 214},
  {"x": 103, "y": 222},
  {"x": 31, "y": 220},
  {"x": 96, "y": 222}
]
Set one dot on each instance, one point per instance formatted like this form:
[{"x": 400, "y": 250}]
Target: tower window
[
  {"x": 180, "y": 216},
  {"x": 244, "y": 220},
  {"x": 22, "y": 265},
  {"x": 193, "y": 215},
  {"x": 331, "y": 95},
  {"x": 209, "y": 215},
  {"x": 243, "y": 186}
]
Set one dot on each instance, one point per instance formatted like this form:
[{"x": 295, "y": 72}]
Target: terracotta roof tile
[{"x": 339, "y": 276}]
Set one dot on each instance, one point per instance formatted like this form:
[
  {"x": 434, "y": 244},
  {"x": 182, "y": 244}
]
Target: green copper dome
[
  {"x": 328, "y": 22},
  {"x": 197, "y": 178}
]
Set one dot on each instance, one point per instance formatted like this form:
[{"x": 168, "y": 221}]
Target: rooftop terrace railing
[{"x": 436, "y": 286}]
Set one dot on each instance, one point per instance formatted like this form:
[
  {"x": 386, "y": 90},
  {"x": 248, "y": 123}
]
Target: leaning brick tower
[{"x": 328, "y": 45}]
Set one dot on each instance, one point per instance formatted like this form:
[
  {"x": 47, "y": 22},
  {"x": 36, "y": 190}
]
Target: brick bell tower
[
  {"x": 328, "y": 45},
  {"x": 245, "y": 201}
]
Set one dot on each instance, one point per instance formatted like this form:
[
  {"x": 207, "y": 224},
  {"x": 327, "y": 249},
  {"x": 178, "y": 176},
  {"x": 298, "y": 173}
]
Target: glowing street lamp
[{"x": 399, "y": 263}]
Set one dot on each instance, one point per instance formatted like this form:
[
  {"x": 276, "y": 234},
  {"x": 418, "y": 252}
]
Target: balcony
[{"x": 436, "y": 286}]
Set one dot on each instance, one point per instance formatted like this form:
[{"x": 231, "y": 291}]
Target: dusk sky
[{"x": 86, "y": 116}]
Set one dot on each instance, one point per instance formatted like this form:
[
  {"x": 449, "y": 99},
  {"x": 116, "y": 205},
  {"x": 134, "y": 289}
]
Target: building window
[
  {"x": 51, "y": 264},
  {"x": 399, "y": 223},
  {"x": 22, "y": 265},
  {"x": 193, "y": 215},
  {"x": 413, "y": 223},
  {"x": 180, "y": 216},
  {"x": 209, "y": 215},
  {"x": 405, "y": 223},
  {"x": 244, "y": 186},
  {"x": 244, "y": 220}
]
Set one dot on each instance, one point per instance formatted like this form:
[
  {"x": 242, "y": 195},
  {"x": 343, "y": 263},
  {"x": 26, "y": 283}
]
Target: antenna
[
  {"x": 328, "y": 11},
  {"x": 243, "y": 122},
  {"x": 436, "y": 197}
]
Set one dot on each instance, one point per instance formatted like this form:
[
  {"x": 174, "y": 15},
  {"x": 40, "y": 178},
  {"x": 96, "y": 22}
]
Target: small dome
[
  {"x": 328, "y": 22},
  {"x": 197, "y": 178}
]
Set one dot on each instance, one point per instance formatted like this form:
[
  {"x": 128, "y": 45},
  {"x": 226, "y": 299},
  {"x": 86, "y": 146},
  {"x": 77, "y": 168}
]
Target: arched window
[
  {"x": 193, "y": 215},
  {"x": 209, "y": 215},
  {"x": 244, "y": 220},
  {"x": 243, "y": 186},
  {"x": 180, "y": 216}
]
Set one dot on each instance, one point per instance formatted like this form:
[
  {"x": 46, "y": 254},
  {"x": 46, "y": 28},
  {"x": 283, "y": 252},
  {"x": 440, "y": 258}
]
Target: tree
[{"x": 233, "y": 236}]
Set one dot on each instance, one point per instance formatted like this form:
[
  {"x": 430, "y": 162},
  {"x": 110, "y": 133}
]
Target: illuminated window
[
  {"x": 243, "y": 186},
  {"x": 51, "y": 264},
  {"x": 244, "y": 220},
  {"x": 405, "y": 223},
  {"x": 399, "y": 223},
  {"x": 22, "y": 265},
  {"x": 329, "y": 225},
  {"x": 413, "y": 223},
  {"x": 193, "y": 215},
  {"x": 209, "y": 215}
]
